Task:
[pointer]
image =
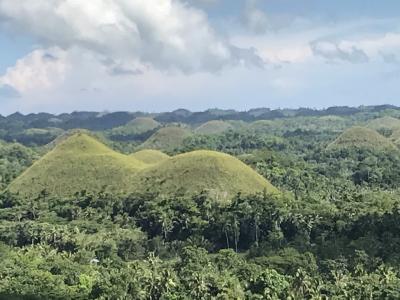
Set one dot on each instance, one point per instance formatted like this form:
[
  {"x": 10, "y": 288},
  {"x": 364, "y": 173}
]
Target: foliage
[{"x": 333, "y": 232}]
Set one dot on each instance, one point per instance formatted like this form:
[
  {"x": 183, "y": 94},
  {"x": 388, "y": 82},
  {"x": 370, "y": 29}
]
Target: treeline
[
  {"x": 153, "y": 247},
  {"x": 99, "y": 121}
]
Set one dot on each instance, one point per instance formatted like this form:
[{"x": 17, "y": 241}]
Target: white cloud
[
  {"x": 163, "y": 34},
  {"x": 388, "y": 43},
  {"x": 280, "y": 49},
  {"x": 41, "y": 69}
]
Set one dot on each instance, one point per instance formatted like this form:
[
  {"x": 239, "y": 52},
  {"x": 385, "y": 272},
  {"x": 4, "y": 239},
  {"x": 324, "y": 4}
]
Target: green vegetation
[
  {"x": 395, "y": 137},
  {"x": 262, "y": 126},
  {"x": 361, "y": 137},
  {"x": 213, "y": 127},
  {"x": 79, "y": 163},
  {"x": 150, "y": 156},
  {"x": 221, "y": 175},
  {"x": 14, "y": 159},
  {"x": 148, "y": 226},
  {"x": 385, "y": 124},
  {"x": 166, "y": 139},
  {"x": 138, "y": 128},
  {"x": 37, "y": 136}
]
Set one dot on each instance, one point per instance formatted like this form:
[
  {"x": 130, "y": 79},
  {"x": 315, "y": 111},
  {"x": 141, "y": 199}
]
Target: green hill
[
  {"x": 361, "y": 137},
  {"x": 167, "y": 139},
  {"x": 135, "y": 127},
  {"x": 78, "y": 163},
  {"x": 150, "y": 156},
  {"x": 64, "y": 136},
  {"x": 220, "y": 174},
  {"x": 388, "y": 123},
  {"x": 213, "y": 127},
  {"x": 261, "y": 126}
]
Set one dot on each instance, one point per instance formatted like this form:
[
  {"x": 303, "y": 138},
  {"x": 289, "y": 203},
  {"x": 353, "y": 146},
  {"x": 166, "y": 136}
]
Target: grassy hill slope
[
  {"x": 167, "y": 139},
  {"x": 135, "y": 127},
  {"x": 220, "y": 174},
  {"x": 387, "y": 122},
  {"x": 150, "y": 156},
  {"x": 361, "y": 137},
  {"x": 213, "y": 127},
  {"x": 78, "y": 163}
]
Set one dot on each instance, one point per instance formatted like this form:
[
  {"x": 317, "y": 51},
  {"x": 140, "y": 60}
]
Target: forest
[{"x": 262, "y": 204}]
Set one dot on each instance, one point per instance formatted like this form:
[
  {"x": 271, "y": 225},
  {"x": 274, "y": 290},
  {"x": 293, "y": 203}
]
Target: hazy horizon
[{"x": 195, "y": 111}]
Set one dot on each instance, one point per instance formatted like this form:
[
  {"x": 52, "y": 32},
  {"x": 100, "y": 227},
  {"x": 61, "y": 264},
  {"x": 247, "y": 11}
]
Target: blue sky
[{"x": 65, "y": 55}]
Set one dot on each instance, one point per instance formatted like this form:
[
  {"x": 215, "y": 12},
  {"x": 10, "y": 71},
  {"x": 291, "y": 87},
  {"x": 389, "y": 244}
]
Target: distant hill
[
  {"x": 166, "y": 139},
  {"x": 261, "y": 125},
  {"x": 213, "y": 127},
  {"x": 135, "y": 129},
  {"x": 220, "y": 174},
  {"x": 78, "y": 163},
  {"x": 66, "y": 135},
  {"x": 385, "y": 123},
  {"x": 150, "y": 156},
  {"x": 361, "y": 137}
]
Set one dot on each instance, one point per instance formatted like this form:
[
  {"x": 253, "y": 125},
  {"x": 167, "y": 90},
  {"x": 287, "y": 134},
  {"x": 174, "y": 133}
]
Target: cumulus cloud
[
  {"x": 162, "y": 34},
  {"x": 41, "y": 69},
  {"x": 339, "y": 52}
]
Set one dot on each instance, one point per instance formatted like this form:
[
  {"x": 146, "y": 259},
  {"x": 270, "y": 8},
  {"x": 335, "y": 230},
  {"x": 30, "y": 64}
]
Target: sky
[{"x": 159, "y": 55}]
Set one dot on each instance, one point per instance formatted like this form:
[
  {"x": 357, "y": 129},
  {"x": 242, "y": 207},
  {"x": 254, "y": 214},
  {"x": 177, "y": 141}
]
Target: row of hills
[
  {"x": 79, "y": 160},
  {"x": 82, "y": 163}
]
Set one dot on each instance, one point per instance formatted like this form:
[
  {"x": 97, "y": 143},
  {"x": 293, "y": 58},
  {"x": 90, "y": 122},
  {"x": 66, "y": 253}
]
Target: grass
[
  {"x": 361, "y": 137},
  {"x": 63, "y": 137},
  {"x": 222, "y": 175},
  {"x": 136, "y": 127},
  {"x": 150, "y": 156},
  {"x": 385, "y": 123},
  {"x": 395, "y": 137},
  {"x": 213, "y": 127},
  {"x": 166, "y": 139},
  {"x": 261, "y": 126},
  {"x": 78, "y": 163}
]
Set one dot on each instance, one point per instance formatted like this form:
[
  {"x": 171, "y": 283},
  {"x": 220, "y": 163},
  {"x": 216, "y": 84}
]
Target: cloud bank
[
  {"x": 161, "y": 34},
  {"x": 163, "y": 54}
]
